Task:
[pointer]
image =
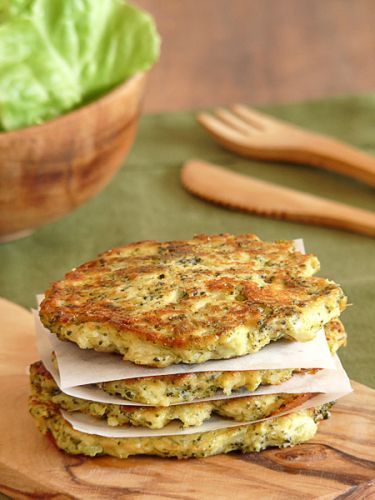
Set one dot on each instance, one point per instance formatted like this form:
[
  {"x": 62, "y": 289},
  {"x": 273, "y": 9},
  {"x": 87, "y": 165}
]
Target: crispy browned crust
[
  {"x": 245, "y": 282},
  {"x": 336, "y": 335}
]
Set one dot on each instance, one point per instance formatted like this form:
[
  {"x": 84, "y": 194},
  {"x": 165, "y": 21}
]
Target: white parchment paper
[
  {"x": 80, "y": 367},
  {"x": 326, "y": 380},
  {"x": 336, "y": 379}
]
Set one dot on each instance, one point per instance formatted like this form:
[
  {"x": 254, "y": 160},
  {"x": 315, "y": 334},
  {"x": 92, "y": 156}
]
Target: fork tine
[
  {"x": 219, "y": 129},
  {"x": 254, "y": 118},
  {"x": 234, "y": 121}
]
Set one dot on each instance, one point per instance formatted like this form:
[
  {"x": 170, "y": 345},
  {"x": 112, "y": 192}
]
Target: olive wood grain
[
  {"x": 48, "y": 170},
  {"x": 339, "y": 461},
  {"x": 221, "y": 186}
]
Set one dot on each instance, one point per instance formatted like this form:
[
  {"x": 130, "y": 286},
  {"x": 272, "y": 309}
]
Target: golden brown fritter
[
  {"x": 212, "y": 297},
  {"x": 335, "y": 335},
  {"x": 179, "y": 388},
  {"x": 282, "y": 432},
  {"x": 242, "y": 409}
]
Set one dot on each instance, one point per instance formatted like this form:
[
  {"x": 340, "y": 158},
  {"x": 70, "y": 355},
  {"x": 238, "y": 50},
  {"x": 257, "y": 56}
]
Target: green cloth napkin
[{"x": 146, "y": 201}]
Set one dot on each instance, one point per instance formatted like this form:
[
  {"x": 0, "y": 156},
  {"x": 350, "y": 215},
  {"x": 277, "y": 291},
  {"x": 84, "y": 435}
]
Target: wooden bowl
[{"x": 48, "y": 170}]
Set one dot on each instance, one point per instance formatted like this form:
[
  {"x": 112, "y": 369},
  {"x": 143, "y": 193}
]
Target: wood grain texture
[
  {"x": 260, "y": 51},
  {"x": 338, "y": 463},
  {"x": 240, "y": 192},
  {"x": 49, "y": 169}
]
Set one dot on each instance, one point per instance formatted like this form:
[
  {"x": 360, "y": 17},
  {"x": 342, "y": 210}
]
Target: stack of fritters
[{"x": 158, "y": 304}]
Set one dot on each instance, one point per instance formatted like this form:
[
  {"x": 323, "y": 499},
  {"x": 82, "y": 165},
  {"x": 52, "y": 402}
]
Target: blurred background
[{"x": 260, "y": 51}]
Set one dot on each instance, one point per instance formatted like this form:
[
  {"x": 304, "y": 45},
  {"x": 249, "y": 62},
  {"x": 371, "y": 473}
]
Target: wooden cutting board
[{"x": 338, "y": 463}]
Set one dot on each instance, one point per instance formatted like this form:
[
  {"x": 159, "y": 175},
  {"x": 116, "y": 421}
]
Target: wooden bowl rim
[{"x": 116, "y": 92}]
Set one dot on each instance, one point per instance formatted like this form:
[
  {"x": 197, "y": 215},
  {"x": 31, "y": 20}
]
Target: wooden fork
[{"x": 255, "y": 135}]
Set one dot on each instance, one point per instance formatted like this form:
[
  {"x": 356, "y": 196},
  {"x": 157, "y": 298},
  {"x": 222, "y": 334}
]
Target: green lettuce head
[{"x": 56, "y": 55}]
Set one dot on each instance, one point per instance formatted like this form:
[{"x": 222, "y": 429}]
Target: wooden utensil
[
  {"x": 48, "y": 170},
  {"x": 232, "y": 190},
  {"x": 256, "y": 135},
  {"x": 341, "y": 455}
]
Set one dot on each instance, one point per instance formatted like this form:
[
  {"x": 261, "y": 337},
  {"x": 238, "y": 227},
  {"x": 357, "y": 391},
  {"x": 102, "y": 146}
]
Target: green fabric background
[{"x": 146, "y": 201}]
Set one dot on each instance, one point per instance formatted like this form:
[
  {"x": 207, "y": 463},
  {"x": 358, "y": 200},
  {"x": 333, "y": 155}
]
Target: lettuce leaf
[{"x": 57, "y": 55}]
